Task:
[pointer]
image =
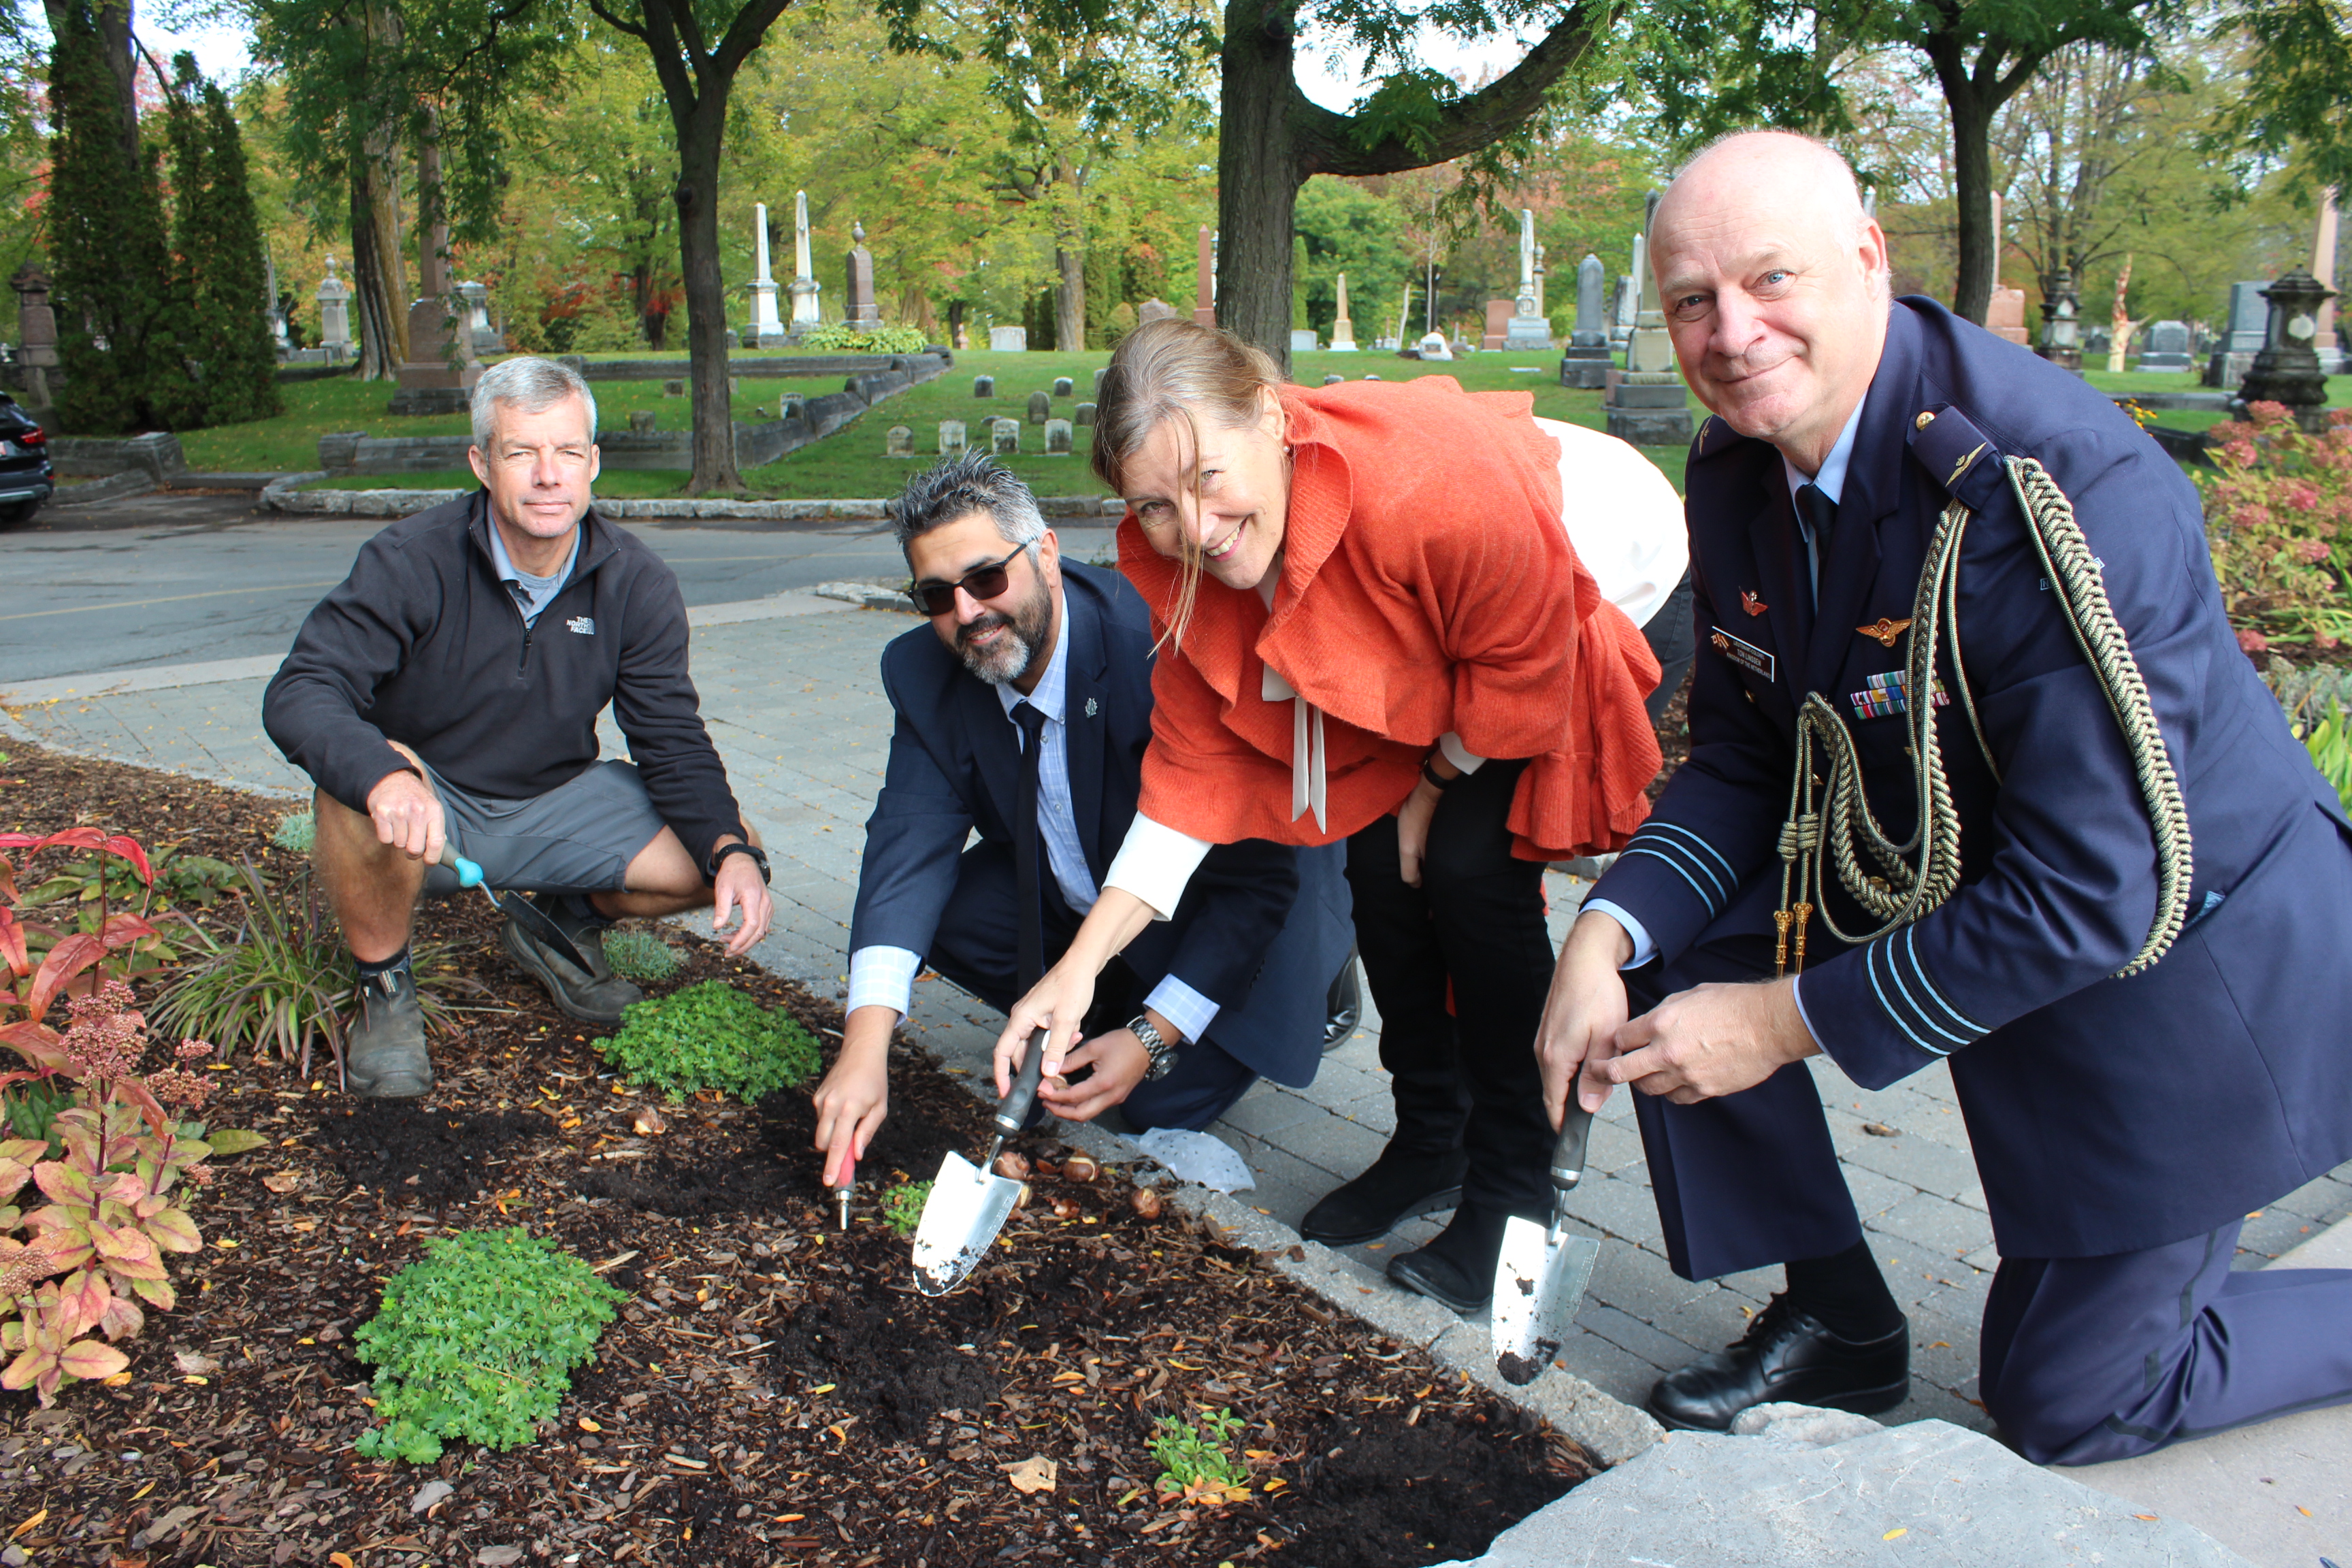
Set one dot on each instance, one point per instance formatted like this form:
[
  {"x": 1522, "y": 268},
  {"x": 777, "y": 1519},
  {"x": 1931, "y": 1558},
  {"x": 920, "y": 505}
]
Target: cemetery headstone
[
  {"x": 764, "y": 329},
  {"x": 898, "y": 441},
  {"x": 1057, "y": 437},
  {"x": 1098, "y": 375},
  {"x": 862, "y": 310},
  {"x": 734, "y": 341},
  {"x": 2250, "y": 316},
  {"x": 1647, "y": 405},
  {"x": 1343, "y": 331},
  {"x": 1008, "y": 340},
  {"x": 2287, "y": 369},
  {"x": 950, "y": 438},
  {"x": 804, "y": 286},
  {"x": 1499, "y": 324},
  {"x": 1527, "y": 330},
  {"x": 1204, "y": 283},
  {"x": 673, "y": 389},
  {"x": 334, "y": 298},
  {"x": 1083, "y": 416},
  {"x": 488, "y": 340},
  {"x": 1586, "y": 362},
  {"x": 642, "y": 422},
  {"x": 1063, "y": 386},
  {"x": 2166, "y": 348},
  {"x": 439, "y": 373},
  {"x": 1302, "y": 340},
  {"x": 1040, "y": 408},
  {"x": 37, "y": 334},
  {"x": 2005, "y": 316},
  {"x": 2061, "y": 332},
  {"x": 1432, "y": 346},
  {"x": 1004, "y": 436},
  {"x": 984, "y": 387},
  {"x": 1333, "y": 380},
  {"x": 1154, "y": 310}
]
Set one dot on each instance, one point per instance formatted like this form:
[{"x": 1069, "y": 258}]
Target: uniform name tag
[
  {"x": 1882, "y": 694},
  {"x": 1746, "y": 655}
]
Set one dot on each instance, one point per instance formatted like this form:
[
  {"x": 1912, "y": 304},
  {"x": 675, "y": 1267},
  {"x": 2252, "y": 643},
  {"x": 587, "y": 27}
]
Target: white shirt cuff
[
  {"x": 1644, "y": 949},
  {"x": 882, "y": 977},
  {"x": 1187, "y": 1009},
  {"x": 1797, "y": 990},
  {"x": 1460, "y": 755},
  {"x": 1155, "y": 863}
]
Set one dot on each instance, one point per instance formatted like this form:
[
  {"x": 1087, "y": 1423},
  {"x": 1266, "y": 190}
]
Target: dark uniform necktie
[
  {"x": 1820, "y": 512},
  {"x": 1026, "y": 848}
]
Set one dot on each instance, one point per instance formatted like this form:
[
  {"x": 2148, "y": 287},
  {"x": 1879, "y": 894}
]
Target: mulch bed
[{"x": 774, "y": 1390}]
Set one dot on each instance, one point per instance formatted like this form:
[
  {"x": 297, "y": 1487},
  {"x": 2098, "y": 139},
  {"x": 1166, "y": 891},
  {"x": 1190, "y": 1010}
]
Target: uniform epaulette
[{"x": 1958, "y": 456}]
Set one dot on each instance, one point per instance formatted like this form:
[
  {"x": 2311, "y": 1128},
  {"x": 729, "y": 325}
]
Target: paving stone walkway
[{"x": 791, "y": 690}]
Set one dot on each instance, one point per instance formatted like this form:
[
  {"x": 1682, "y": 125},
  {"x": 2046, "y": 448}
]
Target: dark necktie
[
  {"x": 1026, "y": 848},
  {"x": 1820, "y": 512}
]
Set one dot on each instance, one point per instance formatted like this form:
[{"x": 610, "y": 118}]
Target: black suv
[{"x": 26, "y": 479}]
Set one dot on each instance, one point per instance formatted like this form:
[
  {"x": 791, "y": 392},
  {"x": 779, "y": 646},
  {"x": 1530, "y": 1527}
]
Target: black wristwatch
[
  {"x": 758, "y": 858},
  {"x": 1162, "y": 1054}
]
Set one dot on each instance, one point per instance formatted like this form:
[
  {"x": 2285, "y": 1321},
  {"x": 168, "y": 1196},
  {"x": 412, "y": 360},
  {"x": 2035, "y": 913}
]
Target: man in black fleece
[{"x": 446, "y": 693}]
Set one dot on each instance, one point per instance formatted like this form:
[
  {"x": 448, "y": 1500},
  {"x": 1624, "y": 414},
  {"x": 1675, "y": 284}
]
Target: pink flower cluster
[{"x": 106, "y": 1035}]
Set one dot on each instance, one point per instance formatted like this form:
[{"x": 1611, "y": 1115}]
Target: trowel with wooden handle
[
  {"x": 1541, "y": 1276},
  {"x": 967, "y": 1205}
]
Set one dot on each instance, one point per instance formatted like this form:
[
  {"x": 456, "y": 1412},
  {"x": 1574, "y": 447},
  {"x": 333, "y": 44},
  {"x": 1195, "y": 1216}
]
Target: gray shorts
[{"x": 578, "y": 837}]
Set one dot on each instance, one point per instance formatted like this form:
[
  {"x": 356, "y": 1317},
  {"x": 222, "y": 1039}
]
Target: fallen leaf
[
  {"x": 2303, "y": 1510},
  {"x": 429, "y": 1495},
  {"x": 282, "y": 1181},
  {"x": 2149, "y": 1517},
  {"x": 588, "y": 1426},
  {"x": 1034, "y": 1474},
  {"x": 648, "y": 1123},
  {"x": 193, "y": 1363},
  {"x": 338, "y": 1560},
  {"x": 1880, "y": 1130},
  {"x": 30, "y": 1524},
  {"x": 1898, "y": 1530}
]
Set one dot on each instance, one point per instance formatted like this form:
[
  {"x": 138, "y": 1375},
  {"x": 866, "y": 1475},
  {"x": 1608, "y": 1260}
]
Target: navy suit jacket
[
  {"x": 2106, "y": 1115},
  {"x": 955, "y": 766}
]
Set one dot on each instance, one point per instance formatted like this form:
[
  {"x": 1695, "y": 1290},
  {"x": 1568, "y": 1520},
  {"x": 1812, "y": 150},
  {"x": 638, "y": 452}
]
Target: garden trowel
[
  {"x": 967, "y": 1205},
  {"x": 1540, "y": 1277},
  {"x": 520, "y": 910}
]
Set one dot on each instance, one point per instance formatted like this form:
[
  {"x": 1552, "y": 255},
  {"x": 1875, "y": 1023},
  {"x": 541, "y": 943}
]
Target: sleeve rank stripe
[
  {"x": 1637, "y": 847},
  {"x": 1870, "y": 963},
  {"x": 1647, "y": 841},
  {"x": 1975, "y": 1030},
  {"x": 1730, "y": 878}
]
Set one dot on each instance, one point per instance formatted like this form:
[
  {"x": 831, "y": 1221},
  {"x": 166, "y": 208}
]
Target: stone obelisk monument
[
  {"x": 805, "y": 286},
  {"x": 764, "y": 329}
]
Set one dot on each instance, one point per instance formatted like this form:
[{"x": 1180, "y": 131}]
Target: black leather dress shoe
[
  {"x": 1458, "y": 1267},
  {"x": 1396, "y": 1188},
  {"x": 1786, "y": 1354}
]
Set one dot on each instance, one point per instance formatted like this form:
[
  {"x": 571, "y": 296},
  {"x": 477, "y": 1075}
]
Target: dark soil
[{"x": 775, "y": 1389}]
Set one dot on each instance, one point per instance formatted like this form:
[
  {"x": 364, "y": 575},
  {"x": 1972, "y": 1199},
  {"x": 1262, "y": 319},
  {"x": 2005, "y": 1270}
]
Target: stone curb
[
  {"x": 113, "y": 486},
  {"x": 284, "y": 494}
]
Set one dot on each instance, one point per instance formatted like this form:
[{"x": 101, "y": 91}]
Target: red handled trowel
[
  {"x": 967, "y": 1205},
  {"x": 1540, "y": 1277}
]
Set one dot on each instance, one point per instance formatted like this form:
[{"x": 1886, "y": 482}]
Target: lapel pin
[
  {"x": 1091, "y": 705},
  {"x": 1886, "y": 631},
  {"x": 1751, "y": 602}
]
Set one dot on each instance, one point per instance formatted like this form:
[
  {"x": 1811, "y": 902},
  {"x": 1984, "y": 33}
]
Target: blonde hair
[{"x": 1176, "y": 370}]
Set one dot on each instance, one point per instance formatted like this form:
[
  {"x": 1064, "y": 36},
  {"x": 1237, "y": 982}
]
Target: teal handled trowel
[
  {"x": 1540, "y": 1277},
  {"x": 520, "y": 910},
  {"x": 967, "y": 1205}
]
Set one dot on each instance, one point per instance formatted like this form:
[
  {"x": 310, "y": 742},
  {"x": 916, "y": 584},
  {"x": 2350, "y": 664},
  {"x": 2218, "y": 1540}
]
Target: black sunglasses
[{"x": 980, "y": 582}]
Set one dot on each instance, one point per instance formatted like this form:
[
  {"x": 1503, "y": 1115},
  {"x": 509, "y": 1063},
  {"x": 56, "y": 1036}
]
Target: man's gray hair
[
  {"x": 533, "y": 385},
  {"x": 958, "y": 486}
]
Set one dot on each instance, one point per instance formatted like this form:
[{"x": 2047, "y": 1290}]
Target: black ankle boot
[
  {"x": 1458, "y": 1267},
  {"x": 1396, "y": 1188}
]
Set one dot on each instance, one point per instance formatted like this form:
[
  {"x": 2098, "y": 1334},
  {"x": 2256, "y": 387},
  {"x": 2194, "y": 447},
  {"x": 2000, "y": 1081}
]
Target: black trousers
[{"x": 1473, "y": 934}]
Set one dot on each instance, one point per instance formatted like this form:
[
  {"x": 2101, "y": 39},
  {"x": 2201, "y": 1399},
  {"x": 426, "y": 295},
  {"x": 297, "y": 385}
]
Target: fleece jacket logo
[{"x": 584, "y": 624}]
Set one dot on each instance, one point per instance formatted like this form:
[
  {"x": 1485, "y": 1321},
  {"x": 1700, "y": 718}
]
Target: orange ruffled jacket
[{"x": 1427, "y": 586}]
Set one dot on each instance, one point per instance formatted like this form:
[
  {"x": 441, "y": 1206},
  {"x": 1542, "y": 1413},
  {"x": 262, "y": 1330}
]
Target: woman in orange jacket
[{"x": 1375, "y": 628}]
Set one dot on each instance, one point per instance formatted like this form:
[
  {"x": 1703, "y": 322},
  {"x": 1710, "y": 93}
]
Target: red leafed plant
[{"x": 111, "y": 1156}]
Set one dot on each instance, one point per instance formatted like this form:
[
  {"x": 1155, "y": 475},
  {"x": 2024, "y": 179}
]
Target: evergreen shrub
[
  {"x": 711, "y": 1036},
  {"x": 840, "y": 338},
  {"x": 476, "y": 1340}
]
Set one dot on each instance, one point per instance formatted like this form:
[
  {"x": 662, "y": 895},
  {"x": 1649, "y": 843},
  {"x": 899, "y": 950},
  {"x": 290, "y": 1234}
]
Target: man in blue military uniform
[{"x": 2122, "y": 924}]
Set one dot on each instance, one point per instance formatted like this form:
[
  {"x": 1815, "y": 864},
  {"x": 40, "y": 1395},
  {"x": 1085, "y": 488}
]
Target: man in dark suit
[
  {"x": 1030, "y": 659},
  {"x": 2145, "y": 1027}
]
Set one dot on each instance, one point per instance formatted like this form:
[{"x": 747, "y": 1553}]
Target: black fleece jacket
[{"x": 422, "y": 644}]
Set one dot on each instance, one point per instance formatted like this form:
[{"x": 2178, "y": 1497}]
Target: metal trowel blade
[
  {"x": 1538, "y": 1287},
  {"x": 966, "y": 1209}
]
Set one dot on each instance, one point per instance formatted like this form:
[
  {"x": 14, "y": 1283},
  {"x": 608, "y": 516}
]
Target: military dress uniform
[{"x": 2123, "y": 1127}]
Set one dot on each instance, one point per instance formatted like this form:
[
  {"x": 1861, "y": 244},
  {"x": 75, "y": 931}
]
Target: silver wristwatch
[{"x": 1162, "y": 1054}]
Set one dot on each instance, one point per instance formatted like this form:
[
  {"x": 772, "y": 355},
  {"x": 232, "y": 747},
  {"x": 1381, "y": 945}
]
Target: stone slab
[{"x": 1930, "y": 1493}]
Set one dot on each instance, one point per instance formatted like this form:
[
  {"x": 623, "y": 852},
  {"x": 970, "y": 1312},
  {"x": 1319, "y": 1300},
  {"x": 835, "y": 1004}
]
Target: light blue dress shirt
[{"x": 532, "y": 595}]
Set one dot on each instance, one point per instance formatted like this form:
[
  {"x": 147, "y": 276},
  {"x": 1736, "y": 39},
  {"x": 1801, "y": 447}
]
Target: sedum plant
[
  {"x": 711, "y": 1036},
  {"x": 476, "y": 1340},
  {"x": 1196, "y": 1457},
  {"x": 902, "y": 1206},
  {"x": 641, "y": 956}
]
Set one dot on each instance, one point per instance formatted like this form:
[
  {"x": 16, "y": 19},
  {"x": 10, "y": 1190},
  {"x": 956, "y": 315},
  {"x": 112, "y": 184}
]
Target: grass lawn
[
  {"x": 2339, "y": 387},
  {"x": 850, "y": 462}
]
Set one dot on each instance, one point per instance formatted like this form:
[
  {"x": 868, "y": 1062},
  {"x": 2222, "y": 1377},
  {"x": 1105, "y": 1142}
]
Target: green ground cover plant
[
  {"x": 1197, "y": 1456},
  {"x": 641, "y": 956},
  {"x": 902, "y": 1206},
  {"x": 476, "y": 1340},
  {"x": 296, "y": 833},
  {"x": 2330, "y": 743},
  {"x": 711, "y": 1036}
]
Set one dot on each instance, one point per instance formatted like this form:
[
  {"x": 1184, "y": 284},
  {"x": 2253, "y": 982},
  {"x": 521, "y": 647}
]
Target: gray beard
[{"x": 1008, "y": 664}]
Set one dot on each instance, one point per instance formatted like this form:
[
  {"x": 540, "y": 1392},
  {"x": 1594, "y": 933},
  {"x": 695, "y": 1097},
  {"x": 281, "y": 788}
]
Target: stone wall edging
[{"x": 284, "y": 494}]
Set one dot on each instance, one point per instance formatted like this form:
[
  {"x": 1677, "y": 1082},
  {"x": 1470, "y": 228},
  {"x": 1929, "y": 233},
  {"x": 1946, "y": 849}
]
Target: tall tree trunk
[
  {"x": 379, "y": 282},
  {"x": 1259, "y": 170},
  {"x": 1070, "y": 254},
  {"x": 706, "y": 292},
  {"x": 1972, "y": 191}
]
